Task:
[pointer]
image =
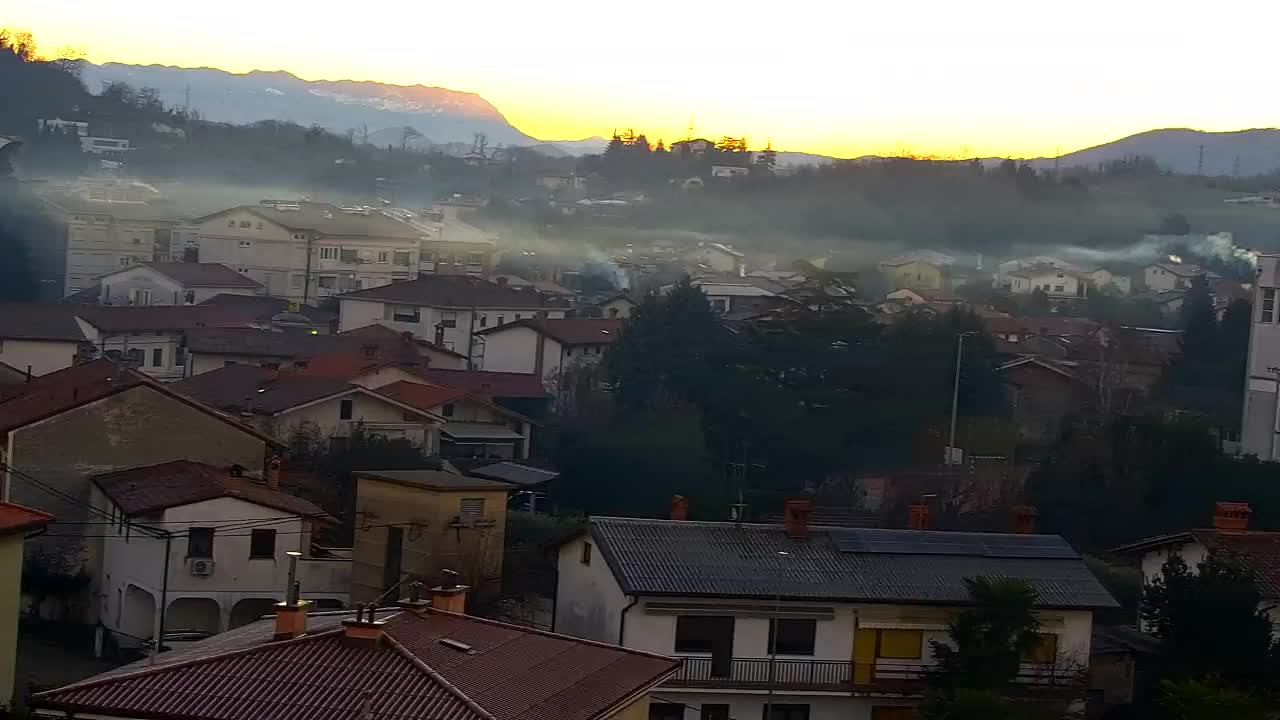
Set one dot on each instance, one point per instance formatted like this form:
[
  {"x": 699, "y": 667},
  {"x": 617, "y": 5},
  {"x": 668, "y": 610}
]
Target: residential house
[
  {"x": 302, "y": 409},
  {"x": 385, "y": 338},
  {"x": 1174, "y": 276},
  {"x": 1017, "y": 329},
  {"x": 716, "y": 257},
  {"x": 40, "y": 338},
  {"x": 619, "y": 306},
  {"x": 1103, "y": 278},
  {"x": 547, "y": 348},
  {"x": 16, "y": 523},
  {"x": 1167, "y": 302},
  {"x": 909, "y": 297},
  {"x": 474, "y": 427},
  {"x": 446, "y": 310},
  {"x": 521, "y": 392},
  {"x": 171, "y": 283},
  {"x": 96, "y": 418},
  {"x": 736, "y": 297},
  {"x": 918, "y": 270},
  {"x": 419, "y": 661},
  {"x": 546, "y": 287},
  {"x": 560, "y": 181},
  {"x": 1259, "y": 429},
  {"x": 455, "y": 246},
  {"x": 1229, "y": 537},
  {"x": 851, "y": 612},
  {"x": 1044, "y": 394},
  {"x": 210, "y": 349},
  {"x": 104, "y": 227},
  {"x": 729, "y": 171},
  {"x": 209, "y": 544},
  {"x": 697, "y": 147},
  {"x": 1124, "y": 665},
  {"x": 1003, "y": 280},
  {"x": 304, "y": 250},
  {"x": 150, "y": 338},
  {"x": 421, "y": 523},
  {"x": 1055, "y": 282},
  {"x": 262, "y": 311}
]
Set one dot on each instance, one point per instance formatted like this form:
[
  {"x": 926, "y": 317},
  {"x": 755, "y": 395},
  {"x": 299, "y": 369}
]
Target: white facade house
[
  {"x": 1174, "y": 276},
  {"x": 547, "y": 348},
  {"x": 108, "y": 227},
  {"x": 172, "y": 283},
  {"x": 304, "y": 250},
  {"x": 40, "y": 338},
  {"x": 729, "y": 171},
  {"x": 1103, "y": 278},
  {"x": 1002, "y": 278},
  {"x": 1260, "y": 425},
  {"x": 1055, "y": 282},
  {"x": 618, "y": 307},
  {"x": 220, "y": 537},
  {"x": 849, "y": 644},
  {"x": 717, "y": 257},
  {"x": 473, "y": 426},
  {"x": 733, "y": 297},
  {"x": 446, "y": 310}
]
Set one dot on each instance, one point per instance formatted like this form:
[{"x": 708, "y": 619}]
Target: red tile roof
[
  {"x": 489, "y": 384},
  {"x": 39, "y": 321},
  {"x": 422, "y": 395},
  {"x": 198, "y": 274},
  {"x": 159, "y": 318},
  {"x": 16, "y": 519},
  {"x": 509, "y": 673},
  {"x": 460, "y": 291},
  {"x": 1260, "y": 550},
  {"x": 567, "y": 331},
  {"x": 382, "y": 334},
  {"x": 150, "y": 488}
]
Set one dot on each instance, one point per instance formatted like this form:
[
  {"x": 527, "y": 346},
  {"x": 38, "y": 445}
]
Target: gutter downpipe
[{"x": 622, "y": 621}]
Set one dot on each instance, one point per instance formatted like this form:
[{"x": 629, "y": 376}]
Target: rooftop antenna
[{"x": 690, "y": 134}]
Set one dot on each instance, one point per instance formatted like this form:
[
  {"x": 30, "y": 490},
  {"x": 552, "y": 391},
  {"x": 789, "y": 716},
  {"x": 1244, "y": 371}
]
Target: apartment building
[
  {"x": 447, "y": 310},
  {"x": 819, "y": 623},
  {"x": 307, "y": 250},
  {"x": 455, "y": 246},
  {"x": 1260, "y": 425}
]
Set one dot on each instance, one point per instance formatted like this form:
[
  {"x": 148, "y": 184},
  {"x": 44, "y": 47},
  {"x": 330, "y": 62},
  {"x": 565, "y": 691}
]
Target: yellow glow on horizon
[{"x": 987, "y": 78}]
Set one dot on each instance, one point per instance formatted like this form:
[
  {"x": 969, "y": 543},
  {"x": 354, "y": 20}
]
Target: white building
[
  {"x": 104, "y": 145},
  {"x": 546, "y": 348},
  {"x": 149, "y": 338},
  {"x": 733, "y": 297},
  {"x": 729, "y": 171},
  {"x": 1174, "y": 276},
  {"x": 852, "y": 621},
  {"x": 1260, "y": 426},
  {"x": 619, "y": 306},
  {"x": 219, "y": 537},
  {"x": 446, "y": 310},
  {"x": 1055, "y": 282},
  {"x": 40, "y": 337},
  {"x": 474, "y": 427},
  {"x": 1100, "y": 277},
  {"x": 306, "y": 250},
  {"x": 1003, "y": 280},
  {"x": 717, "y": 258},
  {"x": 172, "y": 283}
]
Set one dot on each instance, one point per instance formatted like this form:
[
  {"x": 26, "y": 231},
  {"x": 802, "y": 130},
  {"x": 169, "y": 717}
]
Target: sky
[{"x": 1023, "y": 78}]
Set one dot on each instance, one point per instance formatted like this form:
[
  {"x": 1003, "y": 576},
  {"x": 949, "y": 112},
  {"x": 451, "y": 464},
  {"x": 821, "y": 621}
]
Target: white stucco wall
[
  {"x": 377, "y": 415},
  {"x": 589, "y": 602},
  {"x": 749, "y": 705},
  {"x": 42, "y": 356},
  {"x": 355, "y": 313},
  {"x": 167, "y": 343},
  {"x": 516, "y": 350}
]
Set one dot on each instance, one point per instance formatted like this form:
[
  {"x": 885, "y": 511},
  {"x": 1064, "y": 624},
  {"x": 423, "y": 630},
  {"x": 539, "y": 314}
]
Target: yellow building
[
  {"x": 423, "y": 522},
  {"x": 912, "y": 274},
  {"x": 16, "y": 522}
]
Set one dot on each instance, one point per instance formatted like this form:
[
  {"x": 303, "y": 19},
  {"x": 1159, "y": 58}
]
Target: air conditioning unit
[{"x": 200, "y": 568}]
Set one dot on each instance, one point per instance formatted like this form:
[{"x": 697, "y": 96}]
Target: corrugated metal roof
[
  {"x": 510, "y": 673},
  {"x": 516, "y": 473},
  {"x": 660, "y": 557}
]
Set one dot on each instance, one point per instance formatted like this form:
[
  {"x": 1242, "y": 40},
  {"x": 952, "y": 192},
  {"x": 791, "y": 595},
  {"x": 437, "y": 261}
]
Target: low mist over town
[{"x": 346, "y": 399}]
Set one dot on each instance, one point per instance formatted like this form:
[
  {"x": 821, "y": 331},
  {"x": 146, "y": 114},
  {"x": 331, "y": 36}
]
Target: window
[
  {"x": 792, "y": 636},
  {"x": 475, "y": 258},
  {"x": 382, "y": 257},
  {"x": 585, "y": 558},
  {"x": 519, "y": 316},
  {"x": 329, "y": 253},
  {"x": 787, "y": 712},
  {"x": 137, "y": 241},
  {"x": 299, "y": 236},
  {"x": 450, "y": 319},
  {"x": 409, "y": 417},
  {"x": 471, "y": 507},
  {"x": 1046, "y": 650},
  {"x": 401, "y": 258},
  {"x": 703, "y": 633},
  {"x": 246, "y": 224},
  {"x": 714, "y": 711},
  {"x": 1268, "y": 304},
  {"x": 246, "y": 244},
  {"x": 157, "y": 357},
  {"x": 295, "y": 280},
  {"x": 900, "y": 644},
  {"x": 126, "y": 260},
  {"x": 568, "y": 352},
  {"x": 135, "y": 355},
  {"x": 666, "y": 711},
  {"x": 180, "y": 356},
  {"x": 447, "y": 410},
  {"x": 328, "y": 282},
  {"x": 259, "y": 224},
  {"x": 502, "y": 319},
  {"x": 262, "y": 544},
  {"x": 349, "y": 256},
  {"x": 401, "y": 313},
  {"x": 200, "y": 542},
  {"x": 139, "y": 296},
  {"x": 231, "y": 223},
  {"x": 189, "y": 297},
  {"x": 1059, "y": 288},
  {"x": 344, "y": 410}
]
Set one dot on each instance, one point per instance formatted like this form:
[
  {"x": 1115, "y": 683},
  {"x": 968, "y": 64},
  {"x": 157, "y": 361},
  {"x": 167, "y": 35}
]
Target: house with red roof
[
  {"x": 210, "y": 544},
  {"x": 547, "y": 348},
  {"x": 172, "y": 283},
  {"x": 420, "y": 660},
  {"x": 474, "y": 426},
  {"x": 16, "y": 523}
]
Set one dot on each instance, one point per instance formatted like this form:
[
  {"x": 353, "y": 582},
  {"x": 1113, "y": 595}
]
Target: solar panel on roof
[{"x": 929, "y": 542}]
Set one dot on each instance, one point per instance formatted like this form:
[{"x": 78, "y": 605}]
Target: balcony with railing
[{"x": 882, "y": 676}]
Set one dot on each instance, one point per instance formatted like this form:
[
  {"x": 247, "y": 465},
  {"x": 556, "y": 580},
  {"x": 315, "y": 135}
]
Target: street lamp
[{"x": 949, "y": 452}]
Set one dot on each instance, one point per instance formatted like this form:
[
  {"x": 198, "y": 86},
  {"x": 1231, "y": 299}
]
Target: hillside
[
  {"x": 1178, "y": 150},
  {"x": 440, "y": 114}
]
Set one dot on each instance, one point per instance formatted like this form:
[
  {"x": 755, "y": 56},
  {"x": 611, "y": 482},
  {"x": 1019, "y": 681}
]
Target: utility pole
[
  {"x": 955, "y": 400},
  {"x": 1200, "y": 161},
  {"x": 158, "y": 641}
]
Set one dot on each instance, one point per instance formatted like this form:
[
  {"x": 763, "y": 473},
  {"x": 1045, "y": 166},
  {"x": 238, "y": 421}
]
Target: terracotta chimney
[
  {"x": 414, "y": 601},
  {"x": 1231, "y": 517},
  {"x": 235, "y": 478},
  {"x": 918, "y": 517},
  {"x": 273, "y": 472},
  {"x": 450, "y": 597},
  {"x": 795, "y": 517},
  {"x": 291, "y": 615},
  {"x": 679, "y": 507},
  {"x": 1024, "y": 519},
  {"x": 365, "y": 630}
]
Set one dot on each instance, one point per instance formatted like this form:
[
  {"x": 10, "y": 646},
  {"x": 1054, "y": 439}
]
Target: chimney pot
[
  {"x": 918, "y": 517},
  {"x": 679, "y": 507},
  {"x": 414, "y": 601},
  {"x": 273, "y": 472},
  {"x": 1231, "y": 517},
  {"x": 235, "y": 478},
  {"x": 796, "y": 515},
  {"x": 1024, "y": 519}
]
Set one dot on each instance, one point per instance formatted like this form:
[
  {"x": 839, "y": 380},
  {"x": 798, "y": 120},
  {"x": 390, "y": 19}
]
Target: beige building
[
  {"x": 456, "y": 247},
  {"x": 422, "y": 522},
  {"x": 306, "y": 250},
  {"x": 171, "y": 283},
  {"x": 40, "y": 337},
  {"x": 16, "y": 522}
]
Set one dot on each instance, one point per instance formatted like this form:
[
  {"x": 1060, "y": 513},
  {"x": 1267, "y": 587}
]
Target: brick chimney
[
  {"x": 273, "y": 472},
  {"x": 795, "y": 518},
  {"x": 1024, "y": 519},
  {"x": 918, "y": 517},
  {"x": 679, "y": 507},
  {"x": 365, "y": 630},
  {"x": 1231, "y": 517},
  {"x": 450, "y": 596},
  {"x": 291, "y": 615},
  {"x": 235, "y": 478}
]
